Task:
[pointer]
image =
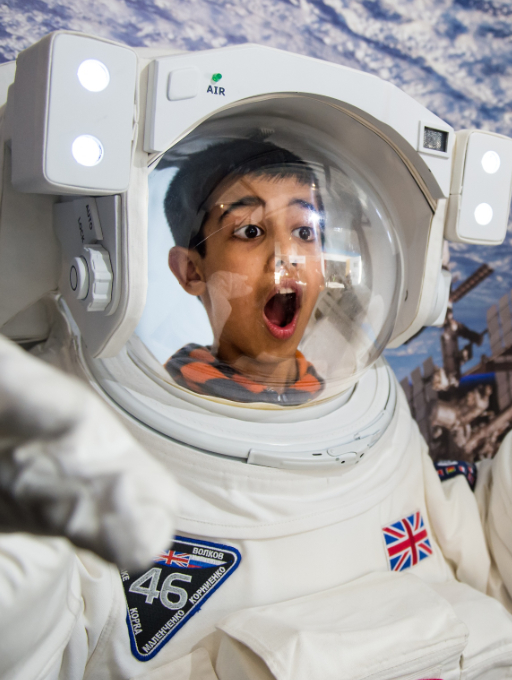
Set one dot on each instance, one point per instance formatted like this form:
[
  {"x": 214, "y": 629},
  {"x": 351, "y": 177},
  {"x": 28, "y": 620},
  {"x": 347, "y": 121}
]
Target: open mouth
[{"x": 282, "y": 310}]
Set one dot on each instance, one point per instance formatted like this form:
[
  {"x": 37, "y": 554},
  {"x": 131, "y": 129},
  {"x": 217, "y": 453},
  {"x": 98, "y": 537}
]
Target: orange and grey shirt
[{"x": 197, "y": 369}]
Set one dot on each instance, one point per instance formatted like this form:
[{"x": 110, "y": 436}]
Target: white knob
[
  {"x": 100, "y": 278},
  {"x": 79, "y": 278}
]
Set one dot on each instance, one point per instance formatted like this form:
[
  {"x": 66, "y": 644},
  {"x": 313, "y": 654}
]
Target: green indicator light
[{"x": 216, "y": 77}]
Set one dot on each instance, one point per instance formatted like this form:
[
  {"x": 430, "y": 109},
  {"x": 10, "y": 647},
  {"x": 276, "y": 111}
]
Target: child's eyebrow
[
  {"x": 255, "y": 200},
  {"x": 303, "y": 204},
  {"x": 242, "y": 203}
]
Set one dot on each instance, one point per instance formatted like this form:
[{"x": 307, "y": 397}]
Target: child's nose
[{"x": 283, "y": 255}]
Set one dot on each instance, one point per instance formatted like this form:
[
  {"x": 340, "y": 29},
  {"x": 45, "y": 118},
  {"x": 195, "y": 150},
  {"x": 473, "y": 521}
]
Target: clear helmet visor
[{"x": 274, "y": 270}]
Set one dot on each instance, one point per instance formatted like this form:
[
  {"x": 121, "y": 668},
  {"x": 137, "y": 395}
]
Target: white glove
[{"x": 69, "y": 468}]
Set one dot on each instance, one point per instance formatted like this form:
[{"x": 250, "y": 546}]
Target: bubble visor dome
[{"x": 275, "y": 267}]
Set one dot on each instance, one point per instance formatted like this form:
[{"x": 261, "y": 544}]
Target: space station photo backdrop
[{"x": 456, "y": 59}]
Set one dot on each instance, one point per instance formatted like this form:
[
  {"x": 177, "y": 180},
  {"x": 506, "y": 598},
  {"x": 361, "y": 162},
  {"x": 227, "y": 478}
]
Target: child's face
[{"x": 262, "y": 273}]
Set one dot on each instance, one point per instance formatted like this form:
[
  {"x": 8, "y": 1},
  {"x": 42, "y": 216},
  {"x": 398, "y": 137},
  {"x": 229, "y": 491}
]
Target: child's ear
[{"x": 184, "y": 264}]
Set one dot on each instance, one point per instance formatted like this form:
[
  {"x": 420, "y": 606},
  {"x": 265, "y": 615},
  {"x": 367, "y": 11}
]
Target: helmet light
[
  {"x": 93, "y": 75},
  {"x": 491, "y": 162},
  {"x": 87, "y": 150}
]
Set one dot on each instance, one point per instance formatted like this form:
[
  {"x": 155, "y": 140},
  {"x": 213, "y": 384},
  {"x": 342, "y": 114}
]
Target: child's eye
[
  {"x": 305, "y": 233},
  {"x": 248, "y": 231}
]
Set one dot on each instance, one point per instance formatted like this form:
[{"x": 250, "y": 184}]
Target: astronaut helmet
[{"x": 294, "y": 229}]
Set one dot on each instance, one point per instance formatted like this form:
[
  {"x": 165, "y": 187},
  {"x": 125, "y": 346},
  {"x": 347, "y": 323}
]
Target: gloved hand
[{"x": 69, "y": 468}]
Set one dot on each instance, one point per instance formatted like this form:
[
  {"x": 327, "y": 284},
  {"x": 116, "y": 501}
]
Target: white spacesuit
[{"x": 305, "y": 206}]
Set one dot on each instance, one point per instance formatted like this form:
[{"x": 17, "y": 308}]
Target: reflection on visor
[
  {"x": 285, "y": 263},
  {"x": 342, "y": 271}
]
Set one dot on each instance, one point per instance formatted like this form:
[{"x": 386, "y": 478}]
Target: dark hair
[{"x": 200, "y": 173}]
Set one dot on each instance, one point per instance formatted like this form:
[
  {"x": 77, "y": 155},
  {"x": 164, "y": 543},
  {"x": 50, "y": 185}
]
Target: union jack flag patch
[{"x": 407, "y": 542}]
